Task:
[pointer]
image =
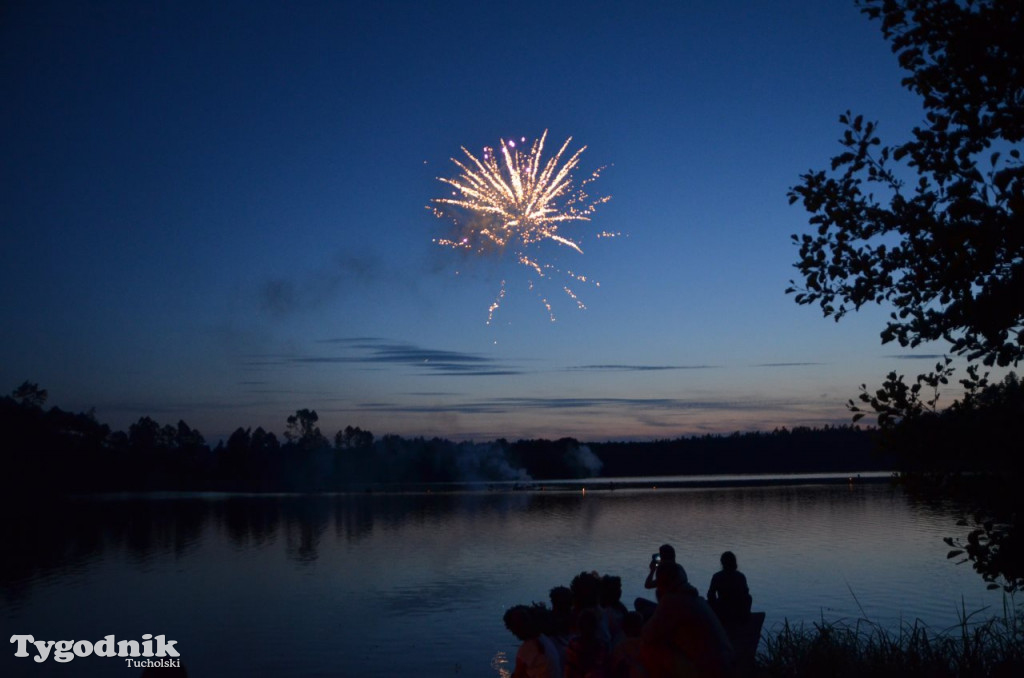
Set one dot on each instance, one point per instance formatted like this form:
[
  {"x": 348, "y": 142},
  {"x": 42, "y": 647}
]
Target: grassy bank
[{"x": 978, "y": 646}]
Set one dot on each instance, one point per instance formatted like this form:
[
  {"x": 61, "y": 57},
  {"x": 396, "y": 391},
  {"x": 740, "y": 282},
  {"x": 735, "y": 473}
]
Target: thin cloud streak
[
  {"x": 639, "y": 368},
  {"x": 378, "y": 352},
  {"x": 460, "y": 413},
  {"x": 512, "y": 405}
]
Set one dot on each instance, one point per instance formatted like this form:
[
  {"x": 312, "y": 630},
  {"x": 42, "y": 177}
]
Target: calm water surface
[{"x": 416, "y": 583}]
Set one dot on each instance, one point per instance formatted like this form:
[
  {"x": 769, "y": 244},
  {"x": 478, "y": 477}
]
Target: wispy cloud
[
  {"x": 372, "y": 351},
  {"x": 786, "y": 364},
  {"x": 639, "y": 368},
  {"x": 519, "y": 404}
]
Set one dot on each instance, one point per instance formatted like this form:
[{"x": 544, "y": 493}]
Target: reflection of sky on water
[{"x": 386, "y": 584}]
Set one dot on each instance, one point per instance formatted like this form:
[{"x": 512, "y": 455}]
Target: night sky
[{"x": 216, "y": 212}]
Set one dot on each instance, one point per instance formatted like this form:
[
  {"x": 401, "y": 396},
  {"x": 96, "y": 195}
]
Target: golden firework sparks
[{"x": 514, "y": 199}]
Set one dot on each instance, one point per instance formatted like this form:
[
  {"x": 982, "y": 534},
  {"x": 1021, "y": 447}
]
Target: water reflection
[
  {"x": 340, "y": 582},
  {"x": 47, "y": 540},
  {"x": 499, "y": 664}
]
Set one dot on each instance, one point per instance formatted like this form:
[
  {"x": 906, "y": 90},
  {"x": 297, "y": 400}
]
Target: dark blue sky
[{"x": 216, "y": 212}]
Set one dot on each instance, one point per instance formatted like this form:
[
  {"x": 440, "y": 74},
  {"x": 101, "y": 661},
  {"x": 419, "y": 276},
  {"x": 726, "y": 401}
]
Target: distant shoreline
[
  {"x": 568, "y": 485},
  {"x": 598, "y": 484}
]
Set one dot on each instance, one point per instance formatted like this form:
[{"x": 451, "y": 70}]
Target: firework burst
[{"x": 511, "y": 200}]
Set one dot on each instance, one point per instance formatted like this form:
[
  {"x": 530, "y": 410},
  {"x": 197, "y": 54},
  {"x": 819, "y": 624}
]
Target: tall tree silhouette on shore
[{"x": 933, "y": 227}]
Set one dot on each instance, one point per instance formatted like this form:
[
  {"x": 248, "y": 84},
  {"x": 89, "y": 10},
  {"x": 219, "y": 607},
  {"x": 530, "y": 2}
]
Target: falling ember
[
  {"x": 511, "y": 199},
  {"x": 496, "y": 303}
]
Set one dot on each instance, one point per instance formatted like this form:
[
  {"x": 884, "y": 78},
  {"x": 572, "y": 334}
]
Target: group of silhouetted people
[{"x": 587, "y": 632}]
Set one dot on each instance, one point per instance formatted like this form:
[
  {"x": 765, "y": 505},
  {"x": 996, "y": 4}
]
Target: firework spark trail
[
  {"x": 518, "y": 202},
  {"x": 496, "y": 303}
]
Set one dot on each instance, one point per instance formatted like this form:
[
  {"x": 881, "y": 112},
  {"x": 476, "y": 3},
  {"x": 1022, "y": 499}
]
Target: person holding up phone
[{"x": 660, "y": 561}]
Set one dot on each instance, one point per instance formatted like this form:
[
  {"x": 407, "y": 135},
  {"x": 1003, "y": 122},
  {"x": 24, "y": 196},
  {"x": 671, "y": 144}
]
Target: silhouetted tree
[
  {"x": 30, "y": 394},
  {"x": 947, "y": 251},
  {"x": 251, "y": 460},
  {"x": 353, "y": 439},
  {"x": 972, "y": 445},
  {"x": 238, "y": 442},
  {"x": 263, "y": 442},
  {"x": 303, "y": 431},
  {"x": 147, "y": 436},
  {"x": 188, "y": 438},
  {"x": 933, "y": 226},
  {"x": 897, "y": 402},
  {"x": 235, "y": 461}
]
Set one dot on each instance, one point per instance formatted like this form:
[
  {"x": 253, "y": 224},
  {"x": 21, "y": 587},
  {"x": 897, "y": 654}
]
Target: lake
[{"x": 387, "y": 584}]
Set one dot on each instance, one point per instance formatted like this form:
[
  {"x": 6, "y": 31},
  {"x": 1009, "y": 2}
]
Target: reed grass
[{"x": 974, "y": 648}]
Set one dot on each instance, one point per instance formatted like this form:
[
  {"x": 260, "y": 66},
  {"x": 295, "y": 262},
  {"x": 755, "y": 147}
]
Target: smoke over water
[
  {"x": 486, "y": 462},
  {"x": 419, "y": 460},
  {"x": 584, "y": 460}
]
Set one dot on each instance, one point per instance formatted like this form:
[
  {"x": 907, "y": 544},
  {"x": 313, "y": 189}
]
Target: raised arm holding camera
[{"x": 662, "y": 560}]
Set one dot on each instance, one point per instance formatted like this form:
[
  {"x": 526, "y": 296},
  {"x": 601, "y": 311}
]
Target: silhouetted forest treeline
[
  {"x": 832, "y": 449},
  {"x": 53, "y": 451}
]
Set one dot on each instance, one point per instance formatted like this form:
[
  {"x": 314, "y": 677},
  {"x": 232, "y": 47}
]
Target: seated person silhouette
[
  {"x": 684, "y": 637},
  {"x": 586, "y": 595},
  {"x": 537, "y": 657},
  {"x": 627, "y": 657},
  {"x": 588, "y": 655},
  {"x": 612, "y": 608},
  {"x": 661, "y": 562},
  {"x": 728, "y": 595},
  {"x": 561, "y": 617}
]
